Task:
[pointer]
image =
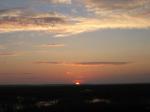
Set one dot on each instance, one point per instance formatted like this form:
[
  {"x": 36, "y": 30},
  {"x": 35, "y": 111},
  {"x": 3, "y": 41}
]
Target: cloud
[
  {"x": 14, "y": 12},
  {"x": 55, "y": 1},
  {"x": 108, "y": 14},
  {"x": 97, "y": 63},
  {"x": 47, "y": 62},
  {"x": 11, "y": 53},
  {"x": 121, "y": 11},
  {"x": 101, "y": 63},
  {"x": 60, "y": 1},
  {"x": 23, "y": 21},
  {"x": 117, "y": 6},
  {"x": 8, "y": 54},
  {"x": 52, "y": 45}
]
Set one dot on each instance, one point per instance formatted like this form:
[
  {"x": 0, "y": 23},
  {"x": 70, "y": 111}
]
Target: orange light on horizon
[{"x": 77, "y": 83}]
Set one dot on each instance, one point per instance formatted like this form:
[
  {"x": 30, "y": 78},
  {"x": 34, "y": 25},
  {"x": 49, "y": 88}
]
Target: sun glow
[{"x": 77, "y": 83}]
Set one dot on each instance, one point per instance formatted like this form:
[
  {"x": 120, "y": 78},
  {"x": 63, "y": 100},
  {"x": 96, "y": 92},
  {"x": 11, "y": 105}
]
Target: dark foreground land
[{"x": 69, "y": 98}]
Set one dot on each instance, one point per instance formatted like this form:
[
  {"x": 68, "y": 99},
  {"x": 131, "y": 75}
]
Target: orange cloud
[{"x": 7, "y": 54}]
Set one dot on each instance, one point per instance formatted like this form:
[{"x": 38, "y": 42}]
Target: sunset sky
[{"x": 64, "y": 41}]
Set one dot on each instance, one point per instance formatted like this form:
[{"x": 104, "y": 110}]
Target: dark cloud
[
  {"x": 82, "y": 63},
  {"x": 102, "y": 63},
  {"x": 20, "y": 17},
  {"x": 24, "y": 20},
  {"x": 47, "y": 62}
]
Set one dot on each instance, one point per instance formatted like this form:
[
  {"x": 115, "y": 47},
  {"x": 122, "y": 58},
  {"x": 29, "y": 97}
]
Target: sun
[{"x": 77, "y": 83}]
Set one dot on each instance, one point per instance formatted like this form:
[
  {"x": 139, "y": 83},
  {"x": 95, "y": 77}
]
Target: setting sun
[{"x": 77, "y": 83}]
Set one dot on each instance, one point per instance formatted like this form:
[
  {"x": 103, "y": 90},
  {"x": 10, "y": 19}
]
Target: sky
[{"x": 65, "y": 41}]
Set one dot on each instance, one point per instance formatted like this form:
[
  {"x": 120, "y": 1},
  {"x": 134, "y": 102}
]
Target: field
[{"x": 70, "y": 98}]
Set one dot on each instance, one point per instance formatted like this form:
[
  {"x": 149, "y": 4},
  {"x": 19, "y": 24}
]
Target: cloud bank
[
  {"x": 107, "y": 14},
  {"x": 97, "y": 63}
]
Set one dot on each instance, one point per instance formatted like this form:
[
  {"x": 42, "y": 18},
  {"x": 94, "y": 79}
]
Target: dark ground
[{"x": 69, "y": 98}]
